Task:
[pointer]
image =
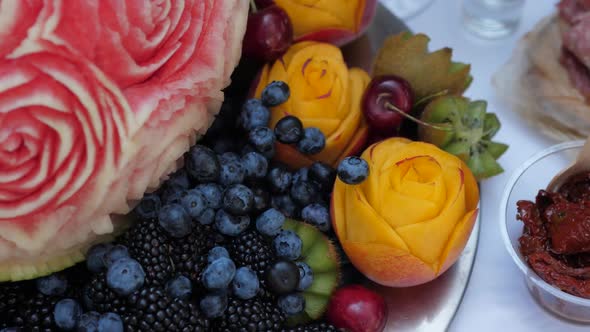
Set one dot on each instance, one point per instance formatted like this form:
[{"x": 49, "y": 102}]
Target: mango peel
[
  {"x": 325, "y": 94},
  {"x": 411, "y": 219}
]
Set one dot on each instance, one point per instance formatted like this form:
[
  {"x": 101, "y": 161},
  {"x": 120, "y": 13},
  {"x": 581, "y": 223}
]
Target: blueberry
[
  {"x": 282, "y": 277},
  {"x": 207, "y": 217},
  {"x": 302, "y": 174},
  {"x": 262, "y": 138},
  {"x": 255, "y": 165},
  {"x": 175, "y": 221},
  {"x": 323, "y": 174},
  {"x": 305, "y": 192},
  {"x": 230, "y": 225},
  {"x": 212, "y": 193},
  {"x": 88, "y": 322},
  {"x": 353, "y": 170},
  {"x": 201, "y": 164},
  {"x": 313, "y": 141},
  {"x": 66, "y": 314},
  {"x": 238, "y": 199},
  {"x": 292, "y": 304},
  {"x": 317, "y": 215},
  {"x": 288, "y": 245},
  {"x": 289, "y": 130},
  {"x": 179, "y": 288},
  {"x": 95, "y": 257},
  {"x": 114, "y": 254},
  {"x": 194, "y": 203},
  {"x": 125, "y": 276},
  {"x": 52, "y": 285},
  {"x": 286, "y": 205},
  {"x": 279, "y": 179},
  {"x": 232, "y": 172},
  {"x": 254, "y": 114},
  {"x": 261, "y": 199},
  {"x": 305, "y": 276},
  {"x": 216, "y": 253},
  {"x": 245, "y": 284},
  {"x": 219, "y": 274},
  {"x": 148, "y": 207},
  {"x": 179, "y": 179},
  {"x": 270, "y": 222},
  {"x": 171, "y": 195},
  {"x": 213, "y": 305},
  {"x": 228, "y": 157},
  {"x": 110, "y": 322},
  {"x": 276, "y": 93}
]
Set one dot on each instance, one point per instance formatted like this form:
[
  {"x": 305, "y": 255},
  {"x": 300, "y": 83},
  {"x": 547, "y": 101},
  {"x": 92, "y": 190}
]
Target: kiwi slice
[
  {"x": 320, "y": 254},
  {"x": 468, "y": 134}
]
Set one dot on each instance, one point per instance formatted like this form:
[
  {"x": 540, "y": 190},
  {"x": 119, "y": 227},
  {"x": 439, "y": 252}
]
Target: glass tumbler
[{"x": 492, "y": 19}]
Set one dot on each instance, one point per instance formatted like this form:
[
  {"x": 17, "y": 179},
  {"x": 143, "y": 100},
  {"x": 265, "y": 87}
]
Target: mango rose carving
[
  {"x": 332, "y": 21},
  {"x": 325, "y": 94},
  {"x": 411, "y": 219}
]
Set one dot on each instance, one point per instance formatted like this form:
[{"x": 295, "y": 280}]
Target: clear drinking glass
[
  {"x": 406, "y": 9},
  {"x": 492, "y": 18}
]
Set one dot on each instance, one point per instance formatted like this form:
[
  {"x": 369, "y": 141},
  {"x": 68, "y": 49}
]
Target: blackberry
[
  {"x": 251, "y": 249},
  {"x": 151, "y": 309},
  {"x": 197, "y": 321},
  {"x": 314, "y": 327},
  {"x": 250, "y": 315},
  {"x": 186, "y": 254},
  {"x": 12, "y": 297},
  {"x": 150, "y": 247},
  {"x": 36, "y": 314},
  {"x": 99, "y": 297}
]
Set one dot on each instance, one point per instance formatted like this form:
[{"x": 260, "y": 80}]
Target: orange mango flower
[{"x": 411, "y": 219}]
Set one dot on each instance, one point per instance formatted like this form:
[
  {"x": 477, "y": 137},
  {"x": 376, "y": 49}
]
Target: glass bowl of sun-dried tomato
[{"x": 548, "y": 234}]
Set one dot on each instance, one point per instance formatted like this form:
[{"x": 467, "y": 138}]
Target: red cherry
[
  {"x": 357, "y": 309},
  {"x": 269, "y": 33},
  {"x": 264, "y": 3},
  {"x": 381, "y": 94}
]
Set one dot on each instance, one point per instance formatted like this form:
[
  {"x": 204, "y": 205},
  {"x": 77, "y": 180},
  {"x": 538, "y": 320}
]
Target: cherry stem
[
  {"x": 432, "y": 96},
  {"x": 392, "y": 107},
  {"x": 253, "y": 6}
]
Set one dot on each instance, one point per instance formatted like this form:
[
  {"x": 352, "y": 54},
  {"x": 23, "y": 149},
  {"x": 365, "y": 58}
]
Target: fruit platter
[{"x": 230, "y": 165}]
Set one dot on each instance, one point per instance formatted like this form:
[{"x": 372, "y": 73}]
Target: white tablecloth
[{"x": 496, "y": 298}]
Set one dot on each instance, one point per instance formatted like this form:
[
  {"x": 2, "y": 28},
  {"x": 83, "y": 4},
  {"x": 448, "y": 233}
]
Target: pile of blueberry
[
  {"x": 289, "y": 130},
  {"x": 251, "y": 180},
  {"x": 284, "y": 277}
]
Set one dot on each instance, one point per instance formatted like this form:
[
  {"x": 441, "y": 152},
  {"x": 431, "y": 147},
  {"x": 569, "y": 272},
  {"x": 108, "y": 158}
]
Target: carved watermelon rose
[{"x": 98, "y": 102}]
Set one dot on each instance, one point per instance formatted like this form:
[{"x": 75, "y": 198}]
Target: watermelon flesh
[{"x": 94, "y": 112}]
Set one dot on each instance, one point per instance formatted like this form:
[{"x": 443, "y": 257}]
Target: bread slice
[{"x": 535, "y": 84}]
